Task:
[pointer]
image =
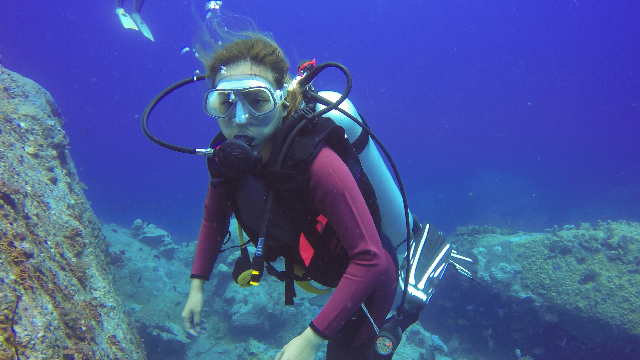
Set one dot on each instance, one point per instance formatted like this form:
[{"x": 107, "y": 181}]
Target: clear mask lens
[{"x": 258, "y": 100}]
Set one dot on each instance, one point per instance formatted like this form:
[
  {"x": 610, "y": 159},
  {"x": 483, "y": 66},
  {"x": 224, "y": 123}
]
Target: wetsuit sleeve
[
  {"x": 214, "y": 228},
  {"x": 337, "y": 196}
]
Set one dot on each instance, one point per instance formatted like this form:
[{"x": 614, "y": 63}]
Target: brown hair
[{"x": 257, "y": 51}]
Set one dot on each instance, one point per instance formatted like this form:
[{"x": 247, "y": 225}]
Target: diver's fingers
[
  {"x": 196, "y": 320},
  {"x": 186, "y": 321}
]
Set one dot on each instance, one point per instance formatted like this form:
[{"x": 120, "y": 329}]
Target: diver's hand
[
  {"x": 304, "y": 347},
  {"x": 193, "y": 308}
]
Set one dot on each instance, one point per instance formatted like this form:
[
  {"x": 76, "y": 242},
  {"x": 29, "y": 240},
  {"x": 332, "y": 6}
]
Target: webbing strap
[
  {"x": 370, "y": 318},
  {"x": 361, "y": 142}
]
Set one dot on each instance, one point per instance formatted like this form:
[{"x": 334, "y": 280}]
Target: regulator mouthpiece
[{"x": 235, "y": 157}]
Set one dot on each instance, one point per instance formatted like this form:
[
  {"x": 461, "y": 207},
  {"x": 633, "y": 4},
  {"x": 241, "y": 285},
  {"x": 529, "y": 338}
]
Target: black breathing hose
[{"x": 152, "y": 105}]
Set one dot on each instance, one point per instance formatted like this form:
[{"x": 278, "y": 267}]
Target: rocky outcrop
[
  {"x": 570, "y": 292},
  {"x": 57, "y": 299},
  {"x": 586, "y": 278},
  {"x": 566, "y": 293},
  {"x": 239, "y": 323},
  {"x": 155, "y": 288}
]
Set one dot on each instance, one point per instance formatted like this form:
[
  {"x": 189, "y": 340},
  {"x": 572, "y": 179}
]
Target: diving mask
[{"x": 254, "y": 93}]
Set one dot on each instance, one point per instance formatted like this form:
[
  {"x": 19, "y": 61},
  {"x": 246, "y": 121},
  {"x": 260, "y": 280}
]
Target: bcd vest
[{"x": 292, "y": 212}]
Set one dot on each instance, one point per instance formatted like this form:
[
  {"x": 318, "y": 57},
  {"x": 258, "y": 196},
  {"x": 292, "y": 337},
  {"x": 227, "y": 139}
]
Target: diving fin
[
  {"x": 125, "y": 19},
  {"x": 429, "y": 256},
  {"x": 424, "y": 265},
  {"x": 141, "y": 25},
  {"x": 464, "y": 265}
]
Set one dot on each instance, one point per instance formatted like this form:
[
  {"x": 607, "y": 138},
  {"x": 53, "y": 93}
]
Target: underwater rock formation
[
  {"x": 57, "y": 299},
  {"x": 151, "y": 236},
  {"x": 155, "y": 290},
  {"x": 587, "y": 279},
  {"x": 238, "y": 323},
  {"x": 152, "y": 287},
  {"x": 567, "y": 292}
]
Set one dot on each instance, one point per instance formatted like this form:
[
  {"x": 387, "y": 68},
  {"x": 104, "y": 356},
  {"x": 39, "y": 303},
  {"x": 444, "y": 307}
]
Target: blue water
[{"x": 505, "y": 113}]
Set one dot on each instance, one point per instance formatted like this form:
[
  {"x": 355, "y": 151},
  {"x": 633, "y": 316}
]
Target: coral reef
[
  {"x": 239, "y": 323},
  {"x": 587, "y": 277},
  {"x": 159, "y": 239},
  {"x": 53, "y": 272},
  {"x": 568, "y": 292},
  {"x": 155, "y": 288}
]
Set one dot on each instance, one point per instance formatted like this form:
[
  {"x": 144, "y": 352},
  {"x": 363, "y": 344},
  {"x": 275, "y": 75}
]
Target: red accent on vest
[{"x": 306, "y": 251}]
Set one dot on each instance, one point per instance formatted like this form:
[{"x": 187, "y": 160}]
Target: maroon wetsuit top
[{"x": 336, "y": 195}]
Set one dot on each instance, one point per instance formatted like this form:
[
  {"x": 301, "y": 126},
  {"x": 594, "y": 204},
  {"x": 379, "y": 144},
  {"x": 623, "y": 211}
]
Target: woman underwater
[
  {"x": 250, "y": 97},
  {"x": 308, "y": 185}
]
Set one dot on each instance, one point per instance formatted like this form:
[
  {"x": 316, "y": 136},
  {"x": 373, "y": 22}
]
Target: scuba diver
[
  {"x": 300, "y": 172},
  {"x": 250, "y": 98},
  {"x": 134, "y": 21}
]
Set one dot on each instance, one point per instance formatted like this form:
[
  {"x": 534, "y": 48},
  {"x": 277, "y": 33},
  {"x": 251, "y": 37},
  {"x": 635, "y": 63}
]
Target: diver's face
[{"x": 241, "y": 120}]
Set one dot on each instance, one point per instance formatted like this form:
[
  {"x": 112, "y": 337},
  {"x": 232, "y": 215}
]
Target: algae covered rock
[
  {"x": 588, "y": 278},
  {"x": 151, "y": 236},
  {"x": 237, "y": 322},
  {"x": 153, "y": 289},
  {"x": 568, "y": 293},
  {"x": 57, "y": 299},
  {"x": 584, "y": 279}
]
